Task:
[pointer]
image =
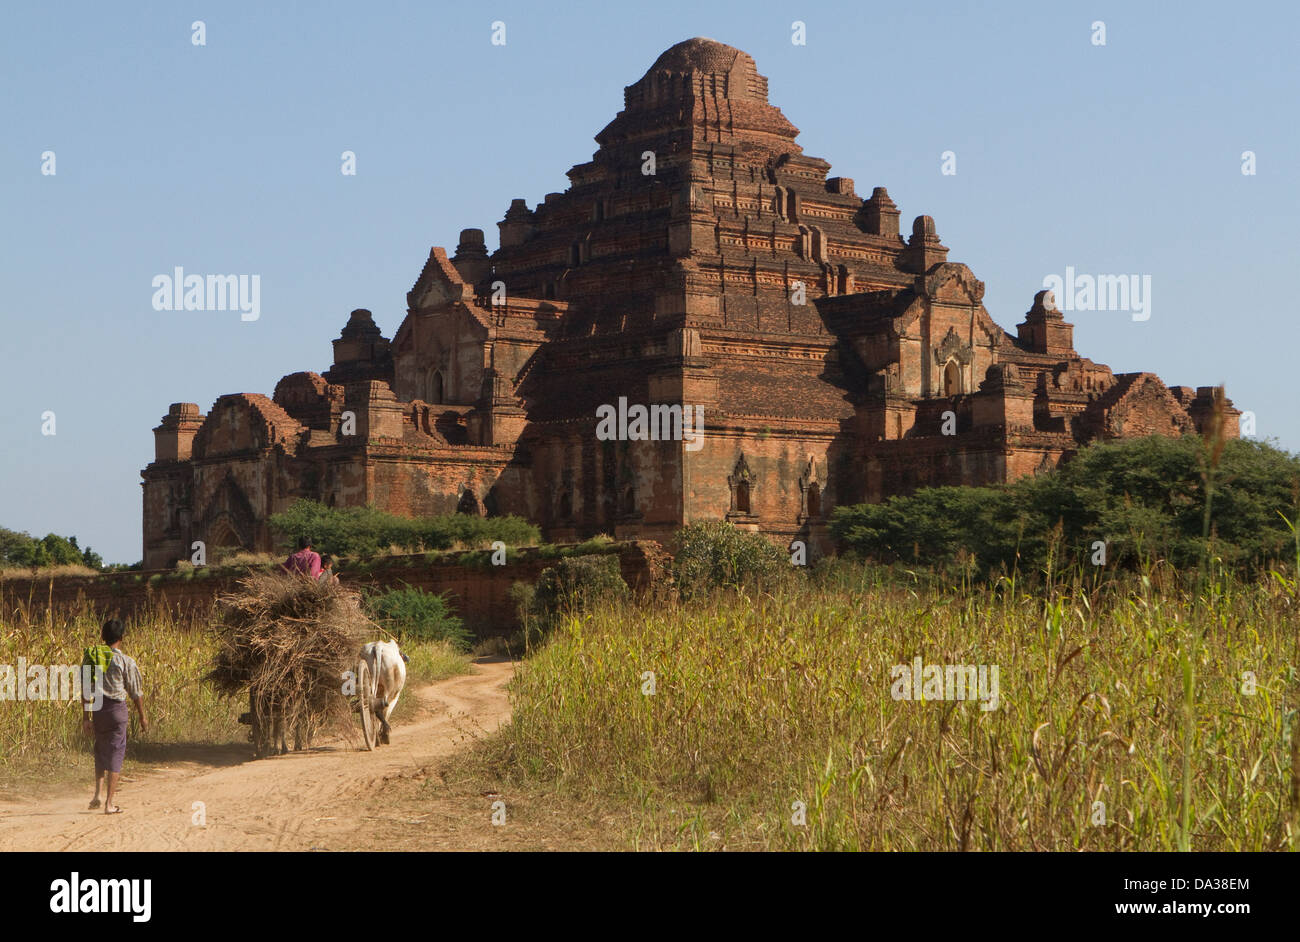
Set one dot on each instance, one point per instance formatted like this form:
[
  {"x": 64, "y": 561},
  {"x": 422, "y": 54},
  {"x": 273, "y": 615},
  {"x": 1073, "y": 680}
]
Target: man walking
[{"x": 117, "y": 676}]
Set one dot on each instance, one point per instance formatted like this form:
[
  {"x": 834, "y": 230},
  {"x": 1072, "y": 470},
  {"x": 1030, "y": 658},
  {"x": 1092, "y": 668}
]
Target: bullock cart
[{"x": 291, "y": 645}]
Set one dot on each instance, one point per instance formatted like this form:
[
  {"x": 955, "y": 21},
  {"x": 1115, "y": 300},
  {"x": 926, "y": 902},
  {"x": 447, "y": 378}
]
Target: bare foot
[{"x": 94, "y": 803}]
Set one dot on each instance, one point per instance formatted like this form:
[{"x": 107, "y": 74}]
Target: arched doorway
[
  {"x": 222, "y": 539},
  {"x": 952, "y": 378}
]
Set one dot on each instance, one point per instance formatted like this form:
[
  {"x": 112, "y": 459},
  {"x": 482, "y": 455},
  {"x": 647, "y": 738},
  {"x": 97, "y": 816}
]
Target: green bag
[{"x": 98, "y": 656}]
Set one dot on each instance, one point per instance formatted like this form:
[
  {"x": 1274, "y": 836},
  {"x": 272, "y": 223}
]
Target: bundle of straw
[{"x": 289, "y": 641}]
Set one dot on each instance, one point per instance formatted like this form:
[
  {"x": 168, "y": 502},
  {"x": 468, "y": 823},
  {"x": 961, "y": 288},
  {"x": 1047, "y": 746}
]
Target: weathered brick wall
[{"x": 479, "y": 594}]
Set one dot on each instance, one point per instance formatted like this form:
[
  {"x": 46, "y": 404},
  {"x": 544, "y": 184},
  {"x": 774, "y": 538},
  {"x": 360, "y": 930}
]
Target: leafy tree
[
  {"x": 15, "y": 547},
  {"x": 63, "y": 551},
  {"x": 22, "y": 549},
  {"x": 1145, "y": 498}
]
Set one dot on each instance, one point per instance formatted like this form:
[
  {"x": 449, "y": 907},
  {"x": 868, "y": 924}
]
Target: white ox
[{"x": 387, "y": 677}]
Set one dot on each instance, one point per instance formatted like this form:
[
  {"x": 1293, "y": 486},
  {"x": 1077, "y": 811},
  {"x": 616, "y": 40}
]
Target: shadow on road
[{"x": 217, "y": 755}]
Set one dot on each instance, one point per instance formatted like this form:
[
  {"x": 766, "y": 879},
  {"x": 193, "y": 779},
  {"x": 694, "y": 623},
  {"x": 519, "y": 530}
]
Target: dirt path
[{"x": 319, "y": 799}]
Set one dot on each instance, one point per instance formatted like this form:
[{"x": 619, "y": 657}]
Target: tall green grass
[{"x": 763, "y": 702}]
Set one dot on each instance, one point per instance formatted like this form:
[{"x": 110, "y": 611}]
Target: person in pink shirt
[{"x": 305, "y": 561}]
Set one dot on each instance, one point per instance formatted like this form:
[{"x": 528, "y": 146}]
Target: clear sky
[{"x": 225, "y": 158}]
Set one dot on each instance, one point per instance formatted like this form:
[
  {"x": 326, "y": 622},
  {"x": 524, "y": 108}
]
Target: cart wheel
[{"x": 364, "y": 698}]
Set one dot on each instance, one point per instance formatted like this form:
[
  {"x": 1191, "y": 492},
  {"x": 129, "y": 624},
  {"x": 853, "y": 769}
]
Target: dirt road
[{"x": 320, "y": 799}]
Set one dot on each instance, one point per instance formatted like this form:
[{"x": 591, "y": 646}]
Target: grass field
[
  {"x": 1134, "y": 715},
  {"x": 41, "y": 742},
  {"x": 1126, "y": 718}
]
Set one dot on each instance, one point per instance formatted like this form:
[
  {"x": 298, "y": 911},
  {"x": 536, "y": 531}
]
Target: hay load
[{"x": 287, "y": 642}]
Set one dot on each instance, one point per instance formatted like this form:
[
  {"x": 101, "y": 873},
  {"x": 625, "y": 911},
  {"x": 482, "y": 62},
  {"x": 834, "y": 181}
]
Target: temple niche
[{"x": 831, "y": 358}]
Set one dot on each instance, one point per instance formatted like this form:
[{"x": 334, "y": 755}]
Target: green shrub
[
  {"x": 714, "y": 555},
  {"x": 483, "y": 559},
  {"x": 575, "y": 583},
  {"x": 413, "y": 614},
  {"x": 600, "y": 543},
  {"x": 367, "y": 531},
  {"x": 521, "y": 596}
]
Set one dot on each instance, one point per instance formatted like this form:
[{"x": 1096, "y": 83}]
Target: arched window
[
  {"x": 435, "y": 391},
  {"x": 741, "y": 481},
  {"x": 468, "y": 504},
  {"x": 814, "y": 500},
  {"x": 952, "y": 379}
]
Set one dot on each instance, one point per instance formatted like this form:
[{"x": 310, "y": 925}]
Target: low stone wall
[{"x": 479, "y": 593}]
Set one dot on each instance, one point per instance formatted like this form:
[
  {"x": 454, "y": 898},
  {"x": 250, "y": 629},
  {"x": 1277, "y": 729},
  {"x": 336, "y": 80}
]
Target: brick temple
[{"x": 699, "y": 258}]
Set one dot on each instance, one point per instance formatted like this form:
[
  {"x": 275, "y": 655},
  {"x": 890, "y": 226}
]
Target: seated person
[
  {"x": 305, "y": 561},
  {"x": 327, "y": 573}
]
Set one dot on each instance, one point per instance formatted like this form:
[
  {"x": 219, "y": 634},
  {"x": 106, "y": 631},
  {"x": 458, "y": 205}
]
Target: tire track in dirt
[{"x": 304, "y": 800}]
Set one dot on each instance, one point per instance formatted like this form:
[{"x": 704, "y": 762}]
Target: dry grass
[
  {"x": 291, "y": 640},
  {"x": 242, "y": 558},
  {"x": 432, "y": 660},
  {"x": 42, "y": 741},
  {"x": 762, "y": 703},
  {"x": 45, "y": 572}
]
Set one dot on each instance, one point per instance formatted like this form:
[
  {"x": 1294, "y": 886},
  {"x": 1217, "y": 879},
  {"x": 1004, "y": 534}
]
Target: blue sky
[{"x": 225, "y": 158}]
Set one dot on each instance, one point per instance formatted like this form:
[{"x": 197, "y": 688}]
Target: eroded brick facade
[{"x": 830, "y": 354}]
